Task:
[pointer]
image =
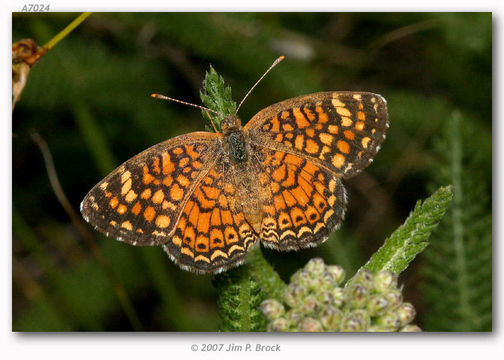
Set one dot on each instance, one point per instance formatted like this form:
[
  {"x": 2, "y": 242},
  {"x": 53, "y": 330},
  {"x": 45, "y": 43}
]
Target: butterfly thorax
[{"x": 244, "y": 174}]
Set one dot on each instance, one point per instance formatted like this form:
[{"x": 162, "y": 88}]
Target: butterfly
[{"x": 207, "y": 197}]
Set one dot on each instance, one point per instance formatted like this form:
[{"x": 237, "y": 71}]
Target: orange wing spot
[
  {"x": 275, "y": 187},
  {"x": 230, "y": 235},
  {"x": 333, "y": 129},
  {"x": 178, "y": 150},
  {"x": 359, "y": 126},
  {"x": 326, "y": 138},
  {"x": 301, "y": 121},
  {"x": 323, "y": 118},
  {"x": 113, "y": 222},
  {"x": 311, "y": 116},
  {"x": 193, "y": 216},
  {"x": 365, "y": 141},
  {"x": 189, "y": 236},
  {"x": 343, "y": 146},
  {"x": 343, "y": 111},
  {"x": 284, "y": 221},
  {"x": 217, "y": 253},
  {"x": 127, "y": 225},
  {"x": 349, "y": 134},
  {"x": 158, "y": 197},
  {"x": 361, "y": 115},
  {"x": 176, "y": 193},
  {"x": 359, "y": 154},
  {"x": 216, "y": 239},
  {"x": 294, "y": 160},
  {"x": 167, "y": 181},
  {"x": 275, "y": 124},
  {"x": 305, "y": 185},
  {"x": 287, "y": 127},
  {"x": 346, "y": 121},
  {"x": 114, "y": 202},
  {"x": 146, "y": 194},
  {"x": 182, "y": 180},
  {"x": 311, "y": 169},
  {"x": 149, "y": 213},
  {"x": 310, "y": 132},
  {"x": 324, "y": 151},
  {"x": 319, "y": 202},
  {"x": 279, "y": 173},
  {"x": 312, "y": 214},
  {"x": 108, "y": 194},
  {"x": 121, "y": 209},
  {"x": 136, "y": 208},
  {"x": 227, "y": 218},
  {"x": 299, "y": 142},
  {"x": 215, "y": 219},
  {"x": 126, "y": 186},
  {"x": 170, "y": 205},
  {"x": 338, "y": 160},
  {"x": 223, "y": 201},
  {"x": 336, "y": 102},
  {"x": 155, "y": 166},
  {"x": 279, "y": 137},
  {"x": 190, "y": 151},
  {"x": 210, "y": 192},
  {"x": 311, "y": 147},
  {"x": 284, "y": 115},
  {"x": 104, "y": 185},
  {"x": 204, "y": 222},
  {"x": 187, "y": 252},
  {"x": 204, "y": 203},
  {"x": 289, "y": 136},
  {"x": 298, "y": 216},
  {"x": 229, "y": 188},
  {"x": 125, "y": 176},
  {"x": 177, "y": 241},
  {"x": 196, "y": 164},
  {"x": 291, "y": 179},
  {"x": 319, "y": 187},
  {"x": 183, "y": 162},
  {"x": 289, "y": 199},
  {"x": 162, "y": 221},
  {"x": 202, "y": 243},
  {"x": 168, "y": 165},
  {"x": 130, "y": 196},
  {"x": 279, "y": 202},
  {"x": 300, "y": 195},
  {"x": 147, "y": 177}
]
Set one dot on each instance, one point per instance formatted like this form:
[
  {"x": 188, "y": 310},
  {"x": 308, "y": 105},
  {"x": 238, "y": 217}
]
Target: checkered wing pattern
[{"x": 341, "y": 131}]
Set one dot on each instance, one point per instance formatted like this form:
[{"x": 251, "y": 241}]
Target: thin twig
[
  {"x": 86, "y": 234},
  {"x": 63, "y": 33}
]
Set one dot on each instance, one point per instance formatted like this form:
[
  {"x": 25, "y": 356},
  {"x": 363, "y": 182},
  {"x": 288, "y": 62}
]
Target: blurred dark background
[{"x": 89, "y": 99}]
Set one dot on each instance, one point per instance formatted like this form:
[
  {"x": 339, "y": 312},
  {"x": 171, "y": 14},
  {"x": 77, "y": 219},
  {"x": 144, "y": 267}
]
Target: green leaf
[
  {"x": 217, "y": 97},
  {"x": 412, "y": 237},
  {"x": 239, "y": 301},
  {"x": 458, "y": 267}
]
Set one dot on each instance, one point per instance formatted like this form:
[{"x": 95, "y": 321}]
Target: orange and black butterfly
[{"x": 208, "y": 197}]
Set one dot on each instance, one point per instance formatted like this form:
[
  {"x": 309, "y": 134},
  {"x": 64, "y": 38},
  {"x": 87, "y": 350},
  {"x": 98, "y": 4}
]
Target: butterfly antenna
[
  {"x": 275, "y": 63},
  {"x": 164, "y": 97}
]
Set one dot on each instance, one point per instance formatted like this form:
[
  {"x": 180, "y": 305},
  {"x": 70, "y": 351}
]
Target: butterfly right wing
[{"x": 141, "y": 201}]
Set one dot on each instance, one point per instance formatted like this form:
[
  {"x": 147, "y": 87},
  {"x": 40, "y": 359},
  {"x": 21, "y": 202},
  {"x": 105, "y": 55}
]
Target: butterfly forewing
[
  {"x": 340, "y": 130},
  {"x": 140, "y": 201}
]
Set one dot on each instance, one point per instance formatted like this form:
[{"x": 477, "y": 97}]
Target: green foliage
[
  {"x": 458, "y": 266},
  {"x": 216, "y": 96},
  {"x": 239, "y": 301},
  {"x": 412, "y": 237},
  {"x": 89, "y": 99}
]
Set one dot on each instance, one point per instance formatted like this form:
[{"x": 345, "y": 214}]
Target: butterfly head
[{"x": 230, "y": 124}]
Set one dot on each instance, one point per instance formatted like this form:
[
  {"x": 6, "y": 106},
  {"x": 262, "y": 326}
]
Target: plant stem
[
  {"x": 63, "y": 33},
  {"x": 263, "y": 273}
]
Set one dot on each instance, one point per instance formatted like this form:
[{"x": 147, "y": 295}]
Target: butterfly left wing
[
  {"x": 140, "y": 202},
  {"x": 340, "y": 131}
]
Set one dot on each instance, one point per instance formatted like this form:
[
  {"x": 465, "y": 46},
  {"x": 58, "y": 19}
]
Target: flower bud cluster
[{"x": 317, "y": 301}]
